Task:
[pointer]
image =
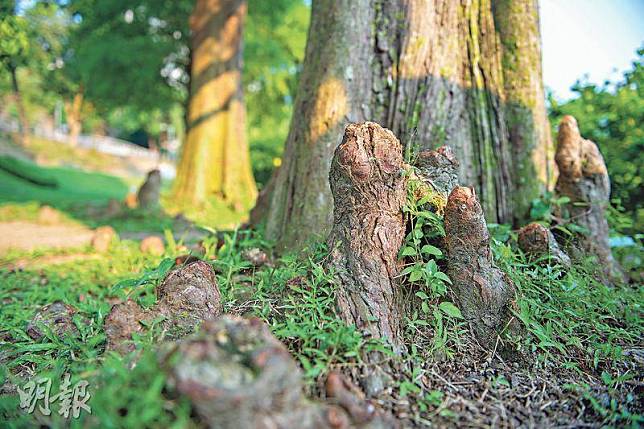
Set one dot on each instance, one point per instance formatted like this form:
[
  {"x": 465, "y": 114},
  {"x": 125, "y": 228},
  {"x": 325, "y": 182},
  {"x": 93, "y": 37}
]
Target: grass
[
  {"x": 83, "y": 196},
  {"x": 573, "y": 324},
  {"x": 577, "y": 340}
]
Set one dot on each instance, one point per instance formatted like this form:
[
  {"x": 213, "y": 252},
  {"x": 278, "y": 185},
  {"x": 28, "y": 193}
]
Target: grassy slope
[{"x": 74, "y": 186}]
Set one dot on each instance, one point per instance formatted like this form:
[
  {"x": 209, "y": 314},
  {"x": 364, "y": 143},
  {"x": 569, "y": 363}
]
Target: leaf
[
  {"x": 421, "y": 295},
  {"x": 442, "y": 276},
  {"x": 450, "y": 309},
  {"x": 428, "y": 249},
  {"x": 415, "y": 276},
  {"x": 431, "y": 267},
  {"x": 408, "y": 251}
]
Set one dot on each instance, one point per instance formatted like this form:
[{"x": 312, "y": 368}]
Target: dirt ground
[{"x": 28, "y": 236}]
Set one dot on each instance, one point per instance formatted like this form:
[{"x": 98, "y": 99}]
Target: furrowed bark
[
  {"x": 215, "y": 158},
  {"x": 484, "y": 292},
  {"x": 369, "y": 190},
  {"x": 584, "y": 179},
  {"x": 439, "y": 169},
  {"x": 517, "y": 24}
]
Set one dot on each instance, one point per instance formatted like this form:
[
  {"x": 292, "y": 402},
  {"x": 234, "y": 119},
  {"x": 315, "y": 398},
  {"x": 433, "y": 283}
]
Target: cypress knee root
[
  {"x": 238, "y": 375},
  {"x": 369, "y": 191},
  {"x": 186, "y": 297},
  {"x": 538, "y": 243},
  {"x": 584, "y": 179},
  {"x": 149, "y": 192},
  {"x": 484, "y": 292}
]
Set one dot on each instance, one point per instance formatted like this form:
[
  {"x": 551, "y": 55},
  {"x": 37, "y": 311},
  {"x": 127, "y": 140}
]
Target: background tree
[
  {"x": 118, "y": 41},
  {"x": 429, "y": 71},
  {"x": 215, "y": 160},
  {"x": 14, "y": 53}
]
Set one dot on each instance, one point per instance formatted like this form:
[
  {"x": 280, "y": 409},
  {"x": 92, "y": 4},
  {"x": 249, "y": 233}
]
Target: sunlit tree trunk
[
  {"x": 215, "y": 160},
  {"x": 431, "y": 71},
  {"x": 22, "y": 114},
  {"x": 517, "y": 22},
  {"x": 73, "y": 111}
]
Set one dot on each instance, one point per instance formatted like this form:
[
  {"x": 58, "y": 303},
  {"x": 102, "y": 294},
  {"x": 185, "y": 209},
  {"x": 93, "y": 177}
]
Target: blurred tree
[
  {"x": 126, "y": 55},
  {"x": 215, "y": 159},
  {"x": 14, "y": 53},
  {"x": 612, "y": 116}
]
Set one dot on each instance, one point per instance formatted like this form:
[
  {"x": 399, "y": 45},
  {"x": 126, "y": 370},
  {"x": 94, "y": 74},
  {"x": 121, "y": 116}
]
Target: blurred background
[{"x": 93, "y": 95}]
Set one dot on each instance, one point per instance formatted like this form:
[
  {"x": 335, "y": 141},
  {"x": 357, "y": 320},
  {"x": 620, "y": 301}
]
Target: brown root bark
[
  {"x": 187, "y": 296},
  {"x": 484, "y": 292},
  {"x": 237, "y": 375},
  {"x": 538, "y": 243},
  {"x": 369, "y": 191},
  {"x": 584, "y": 179},
  {"x": 150, "y": 190}
]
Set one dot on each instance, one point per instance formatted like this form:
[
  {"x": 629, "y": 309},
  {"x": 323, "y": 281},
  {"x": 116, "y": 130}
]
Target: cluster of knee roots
[{"x": 237, "y": 374}]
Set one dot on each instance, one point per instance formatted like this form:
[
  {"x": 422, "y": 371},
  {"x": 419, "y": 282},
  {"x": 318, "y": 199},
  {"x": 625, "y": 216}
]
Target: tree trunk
[
  {"x": 73, "y": 111},
  {"x": 517, "y": 22},
  {"x": 430, "y": 71},
  {"x": 22, "y": 115},
  {"x": 215, "y": 160}
]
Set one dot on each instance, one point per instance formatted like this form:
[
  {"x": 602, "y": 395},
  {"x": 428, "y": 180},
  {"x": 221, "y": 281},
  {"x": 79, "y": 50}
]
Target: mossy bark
[
  {"x": 430, "y": 71},
  {"x": 215, "y": 160},
  {"x": 517, "y": 23}
]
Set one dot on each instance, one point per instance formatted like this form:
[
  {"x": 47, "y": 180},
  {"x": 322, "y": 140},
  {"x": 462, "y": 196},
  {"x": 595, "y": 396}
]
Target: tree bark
[
  {"x": 20, "y": 106},
  {"x": 584, "y": 179},
  {"x": 517, "y": 22},
  {"x": 484, "y": 292},
  {"x": 73, "y": 112},
  {"x": 215, "y": 159},
  {"x": 430, "y": 71},
  {"x": 369, "y": 190}
]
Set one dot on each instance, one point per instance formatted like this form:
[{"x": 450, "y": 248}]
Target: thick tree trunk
[
  {"x": 517, "y": 22},
  {"x": 215, "y": 160},
  {"x": 430, "y": 71},
  {"x": 369, "y": 190},
  {"x": 20, "y": 106},
  {"x": 73, "y": 111}
]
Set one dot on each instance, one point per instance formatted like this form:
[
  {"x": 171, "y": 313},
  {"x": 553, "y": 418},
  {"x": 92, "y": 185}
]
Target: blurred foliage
[
  {"x": 130, "y": 59},
  {"x": 612, "y": 116}
]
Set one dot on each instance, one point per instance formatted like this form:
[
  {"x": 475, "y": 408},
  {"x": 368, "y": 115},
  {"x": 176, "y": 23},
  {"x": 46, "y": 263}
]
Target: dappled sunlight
[{"x": 331, "y": 104}]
